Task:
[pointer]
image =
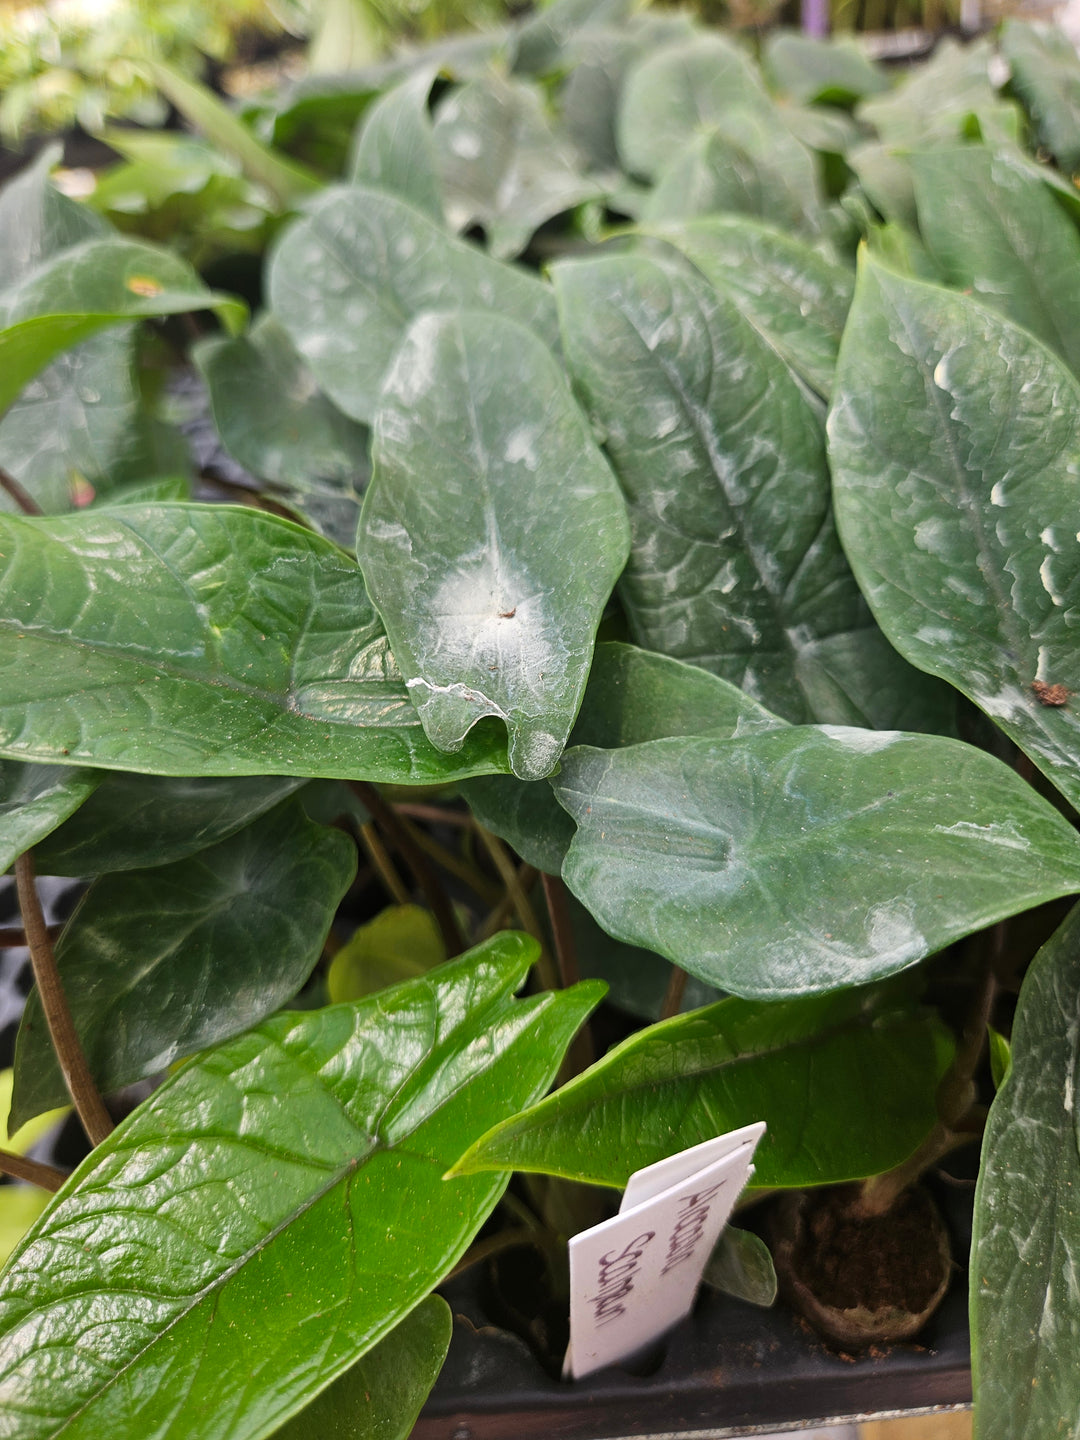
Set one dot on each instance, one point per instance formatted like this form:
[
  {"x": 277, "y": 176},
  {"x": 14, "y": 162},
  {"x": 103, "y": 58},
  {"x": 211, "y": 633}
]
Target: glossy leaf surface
[
  {"x": 273, "y": 418},
  {"x": 395, "y": 145},
  {"x": 736, "y": 858},
  {"x": 957, "y": 502},
  {"x": 34, "y": 800},
  {"x": 85, "y": 289},
  {"x": 794, "y": 297},
  {"x": 380, "y": 1397},
  {"x": 347, "y": 279},
  {"x": 132, "y": 822},
  {"x": 202, "y": 640},
  {"x": 792, "y": 1065},
  {"x": 501, "y": 164},
  {"x": 1025, "y": 1252},
  {"x": 677, "y": 91},
  {"x": 273, "y": 1210},
  {"x": 996, "y": 232},
  {"x": 735, "y": 564},
  {"x": 1046, "y": 75},
  {"x": 492, "y": 583},
  {"x": 632, "y": 695},
  {"x": 157, "y": 964}
]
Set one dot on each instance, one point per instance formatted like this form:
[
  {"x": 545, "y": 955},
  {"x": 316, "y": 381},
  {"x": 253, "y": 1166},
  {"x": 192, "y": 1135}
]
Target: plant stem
[
  {"x": 581, "y": 1052},
  {"x": 673, "y": 995},
  {"x": 13, "y": 938},
  {"x": 22, "y": 497},
  {"x": 492, "y": 1245},
  {"x": 526, "y": 879},
  {"x": 97, "y": 1122},
  {"x": 398, "y": 832},
  {"x": 436, "y": 814},
  {"x": 382, "y": 864},
  {"x": 545, "y": 969},
  {"x": 48, "y": 1177},
  {"x": 479, "y": 884}
]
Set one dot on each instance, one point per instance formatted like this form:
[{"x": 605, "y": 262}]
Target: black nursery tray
[{"x": 730, "y": 1369}]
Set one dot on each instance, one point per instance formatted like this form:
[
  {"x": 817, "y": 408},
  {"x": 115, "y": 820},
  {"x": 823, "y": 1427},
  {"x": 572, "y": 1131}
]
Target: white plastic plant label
[{"x": 635, "y": 1276}]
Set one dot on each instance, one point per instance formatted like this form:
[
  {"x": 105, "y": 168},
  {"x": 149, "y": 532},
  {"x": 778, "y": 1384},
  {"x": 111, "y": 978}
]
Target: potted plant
[{"x": 628, "y": 587}]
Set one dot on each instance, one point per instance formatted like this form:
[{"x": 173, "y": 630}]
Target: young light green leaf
[
  {"x": 37, "y": 221},
  {"x": 34, "y": 800},
  {"x": 795, "y": 298},
  {"x": 380, "y": 1397},
  {"x": 1000, "y": 1056},
  {"x": 1025, "y": 1248},
  {"x": 685, "y": 1080},
  {"x": 1046, "y": 76},
  {"x": 670, "y": 95},
  {"x": 287, "y": 181},
  {"x": 237, "y": 928},
  {"x": 995, "y": 231},
  {"x": 200, "y": 640},
  {"x": 822, "y": 72},
  {"x": 491, "y": 585},
  {"x": 402, "y": 942},
  {"x": 957, "y": 503},
  {"x": 741, "y": 1265},
  {"x": 273, "y": 418},
  {"x": 348, "y": 277},
  {"x": 632, "y": 695},
  {"x": 735, "y": 564},
  {"x": 87, "y": 288},
  {"x": 501, "y": 164},
  {"x": 274, "y": 1209},
  {"x": 394, "y": 148},
  {"x": 132, "y": 822},
  {"x": 735, "y": 858},
  {"x": 747, "y": 163}
]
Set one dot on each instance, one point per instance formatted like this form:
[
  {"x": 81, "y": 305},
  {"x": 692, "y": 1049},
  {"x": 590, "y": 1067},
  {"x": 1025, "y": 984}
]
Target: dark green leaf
[
  {"x": 347, "y": 279},
  {"x": 381, "y": 1396},
  {"x": 273, "y": 418},
  {"x": 34, "y": 800},
  {"x": 937, "y": 99},
  {"x": 132, "y": 822},
  {"x": 500, "y": 163},
  {"x": 957, "y": 502},
  {"x": 670, "y": 95},
  {"x": 735, "y": 563},
  {"x": 741, "y": 1265},
  {"x": 1025, "y": 1250},
  {"x": 886, "y": 179},
  {"x": 542, "y": 38},
  {"x": 526, "y": 815},
  {"x": 794, "y": 297},
  {"x": 395, "y": 147},
  {"x": 202, "y": 640},
  {"x": 274, "y": 1209},
  {"x": 831, "y": 72},
  {"x": 1046, "y": 76},
  {"x": 688, "y": 1079},
  {"x": 995, "y": 231},
  {"x": 736, "y": 858},
  {"x": 86, "y": 289},
  {"x": 492, "y": 583},
  {"x": 747, "y": 163},
  {"x": 157, "y": 964}
]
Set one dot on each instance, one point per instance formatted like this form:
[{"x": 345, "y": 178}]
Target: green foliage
[{"x": 606, "y": 516}]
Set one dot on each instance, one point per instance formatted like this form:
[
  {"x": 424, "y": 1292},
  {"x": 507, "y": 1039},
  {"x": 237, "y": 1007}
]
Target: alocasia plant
[{"x": 661, "y": 535}]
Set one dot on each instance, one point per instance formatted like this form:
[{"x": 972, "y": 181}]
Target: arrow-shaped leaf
[
  {"x": 273, "y": 1210},
  {"x": 157, "y": 964},
  {"x": 958, "y": 504},
  {"x": 491, "y": 583},
  {"x": 737, "y": 858},
  {"x": 202, "y": 640}
]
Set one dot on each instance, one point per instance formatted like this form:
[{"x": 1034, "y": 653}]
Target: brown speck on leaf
[
  {"x": 144, "y": 285},
  {"x": 1050, "y": 694},
  {"x": 507, "y": 614}
]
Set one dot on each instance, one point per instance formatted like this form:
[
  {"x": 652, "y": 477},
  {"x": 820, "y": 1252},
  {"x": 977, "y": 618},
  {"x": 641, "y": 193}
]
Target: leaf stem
[
  {"x": 526, "y": 879},
  {"x": 435, "y": 814},
  {"x": 673, "y": 995},
  {"x": 97, "y": 1122},
  {"x": 381, "y": 863},
  {"x": 492, "y": 1245},
  {"x": 397, "y": 831},
  {"x": 22, "y": 497},
  {"x": 14, "y": 938},
  {"x": 479, "y": 884},
  {"x": 545, "y": 968},
  {"x": 48, "y": 1177},
  {"x": 561, "y": 929}
]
